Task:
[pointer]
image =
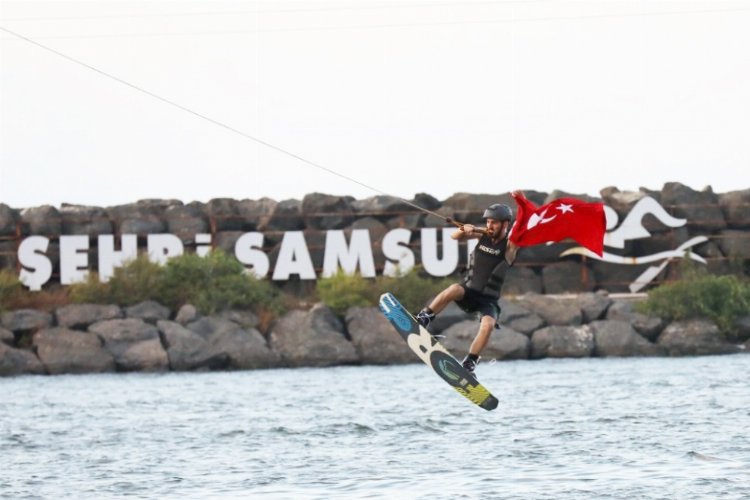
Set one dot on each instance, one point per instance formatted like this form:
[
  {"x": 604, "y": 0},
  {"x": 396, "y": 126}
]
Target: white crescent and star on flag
[{"x": 540, "y": 218}]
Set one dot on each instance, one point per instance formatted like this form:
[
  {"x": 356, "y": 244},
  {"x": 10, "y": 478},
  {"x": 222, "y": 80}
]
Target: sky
[{"x": 363, "y": 97}]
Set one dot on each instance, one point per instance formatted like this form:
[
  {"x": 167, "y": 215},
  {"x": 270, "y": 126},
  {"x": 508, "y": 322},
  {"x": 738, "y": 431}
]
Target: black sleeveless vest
[{"x": 487, "y": 267}]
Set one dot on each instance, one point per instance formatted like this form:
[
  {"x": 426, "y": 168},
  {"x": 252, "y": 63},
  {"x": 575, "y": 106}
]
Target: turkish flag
[{"x": 562, "y": 218}]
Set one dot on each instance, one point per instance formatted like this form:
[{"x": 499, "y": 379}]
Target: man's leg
[
  {"x": 450, "y": 294},
  {"x": 486, "y": 325},
  {"x": 453, "y": 292}
]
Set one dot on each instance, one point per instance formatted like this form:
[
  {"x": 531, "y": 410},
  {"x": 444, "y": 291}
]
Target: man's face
[{"x": 497, "y": 228}]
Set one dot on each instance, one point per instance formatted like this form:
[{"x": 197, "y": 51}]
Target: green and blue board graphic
[{"x": 434, "y": 354}]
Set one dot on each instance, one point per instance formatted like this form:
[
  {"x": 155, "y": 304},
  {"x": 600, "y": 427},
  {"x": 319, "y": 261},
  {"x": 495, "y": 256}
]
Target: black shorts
[{"x": 477, "y": 302}]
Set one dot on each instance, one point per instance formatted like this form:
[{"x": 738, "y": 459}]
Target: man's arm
[
  {"x": 510, "y": 253},
  {"x": 466, "y": 232}
]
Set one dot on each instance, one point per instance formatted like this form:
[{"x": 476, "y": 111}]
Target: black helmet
[{"x": 498, "y": 211}]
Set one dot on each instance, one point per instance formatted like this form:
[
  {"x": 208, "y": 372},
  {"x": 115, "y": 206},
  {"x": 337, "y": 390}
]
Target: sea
[{"x": 612, "y": 428}]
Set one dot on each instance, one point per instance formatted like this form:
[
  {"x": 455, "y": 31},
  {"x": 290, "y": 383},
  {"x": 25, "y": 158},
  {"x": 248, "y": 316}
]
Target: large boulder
[
  {"x": 517, "y": 318},
  {"x": 312, "y": 338},
  {"x": 134, "y": 344},
  {"x": 256, "y": 213},
  {"x": 619, "y": 338},
  {"x": 25, "y": 320},
  {"x": 9, "y": 219},
  {"x": 695, "y": 337},
  {"x": 562, "y": 342},
  {"x": 503, "y": 344},
  {"x": 149, "y": 311},
  {"x": 69, "y": 351},
  {"x": 593, "y": 305},
  {"x": 18, "y": 362},
  {"x": 375, "y": 339},
  {"x": 187, "y": 350},
  {"x": 567, "y": 277},
  {"x": 553, "y": 311},
  {"x": 44, "y": 220},
  {"x": 224, "y": 215},
  {"x": 648, "y": 326},
  {"x": 325, "y": 211},
  {"x": 84, "y": 220},
  {"x": 287, "y": 216},
  {"x": 736, "y": 208},
  {"x": 83, "y": 315},
  {"x": 7, "y": 337},
  {"x": 185, "y": 221},
  {"x": 734, "y": 244},
  {"x": 449, "y": 316},
  {"x": 520, "y": 280},
  {"x": 246, "y": 348},
  {"x": 700, "y": 208}
]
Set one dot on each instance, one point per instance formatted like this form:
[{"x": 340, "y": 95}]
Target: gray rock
[
  {"x": 324, "y": 211},
  {"x": 701, "y": 209},
  {"x": 149, "y": 311},
  {"x": 143, "y": 356},
  {"x": 553, "y": 311},
  {"x": 246, "y": 319},
  {"x": 224, "y": 214},
  {"x": 83, "y": 315},
  {"x": 68, "y": 351},
  {"x": 734, "y": 243},
  {"x": 286, "y": 216},
  {"x": 7, "y": 337},
  {"x": 186, "y": 221},
  {"x": 648, "y": 326},
  {"x": 520, "y": 280},
  {"x": 736, "y": 208},
  {"x": 44, "y": 220},
  {"x": 562, "y": 342},
  {"x": 84, "y": 220},
  {"x": 134, "y": 344},
  {"x": 143, "y": 225},
  {"x": 622, "y": 202},
  {"x": 593, "y": 306},
  {"x": 18, "y": 362},
  {"x": 619, "y": 338},
  {"x": 187, "y": 350},
  {"x": 694, "y": 338},
  {"x": 209, "y": 326},
  {"x": 557, "y": 194},
  {"x": 517, "y": 318},
  {"x": 25, "y": 320},
  {"x": 9, "y": 218},
  {"x": 314, "y": 338},
  {"x": 382, "y": 207},
  {"x": 567, "y": 277},
  {"x": 245, "y": 348},
  {"x": 449, "y": 316},
  {"x": 187, "y": 314},
  {"x": 256, "y": 214},
  {"x": 742, "y": 328},
  {"x": 504, "y": 344},
  {"x": 375, "y": 339}
]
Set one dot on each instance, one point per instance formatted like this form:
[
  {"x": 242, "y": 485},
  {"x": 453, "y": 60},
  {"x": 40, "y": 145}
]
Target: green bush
[
  {"x": 699, "y": 294},
  {"x": 10, "y": 287},
  {"x": 213, "y": 283},
  {"x": 136, "y": 281},
  {"x": 210, "y": 283},
  {"x": 342, "y": 291}
]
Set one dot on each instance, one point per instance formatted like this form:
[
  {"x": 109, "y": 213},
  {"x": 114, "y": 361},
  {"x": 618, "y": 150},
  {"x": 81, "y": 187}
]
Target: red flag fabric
[{"x": 562, "y": 218}]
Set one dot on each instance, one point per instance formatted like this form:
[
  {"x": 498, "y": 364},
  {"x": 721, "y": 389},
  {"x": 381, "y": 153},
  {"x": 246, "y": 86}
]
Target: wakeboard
[{"x": 434, "y": 354}]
